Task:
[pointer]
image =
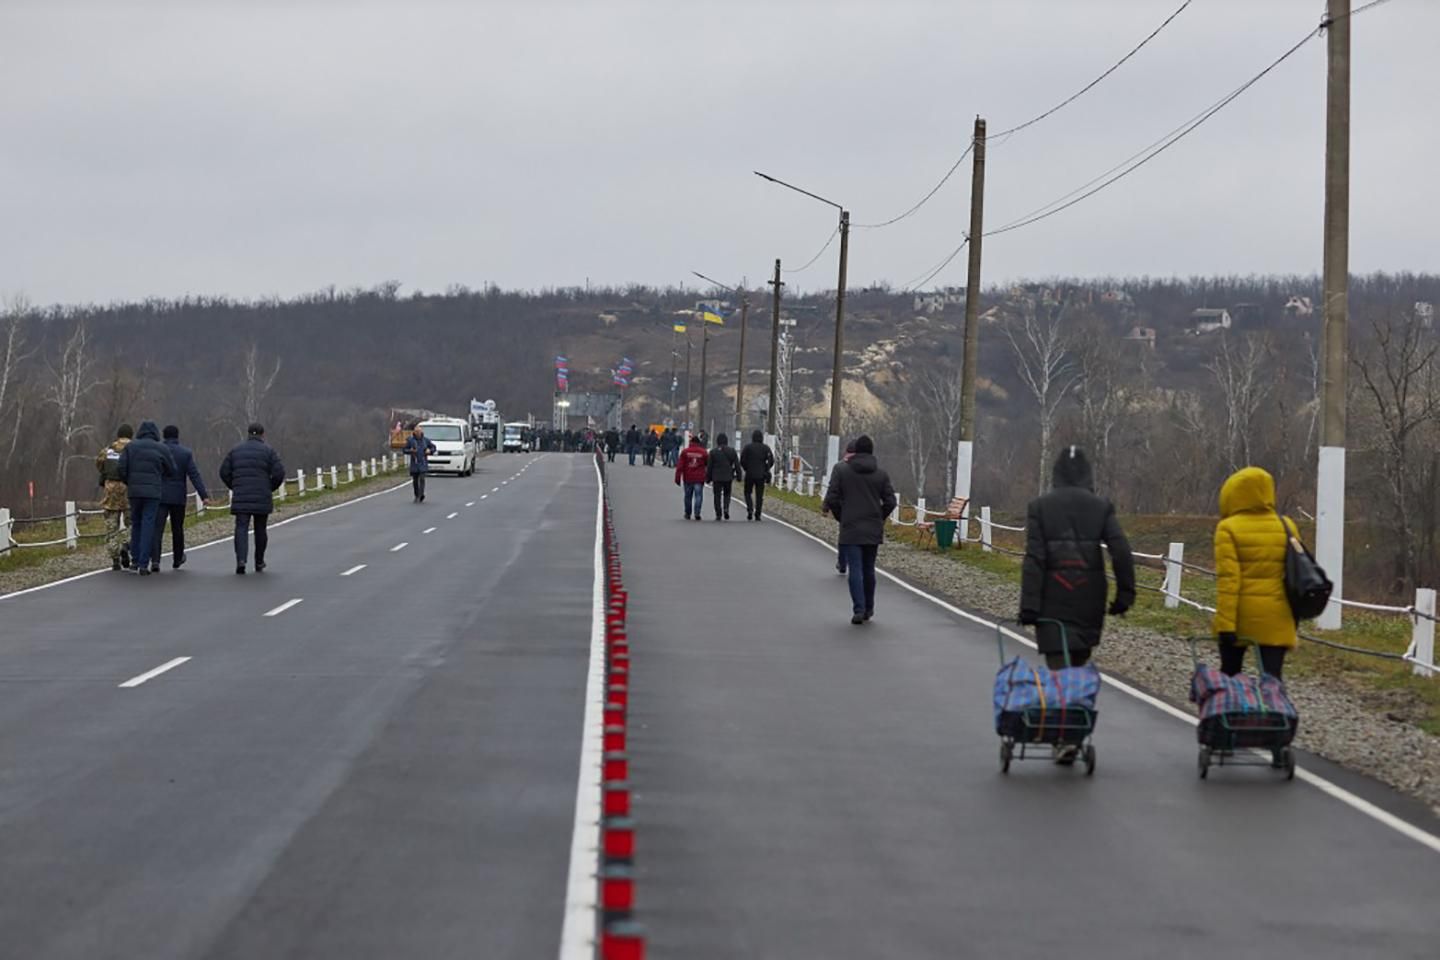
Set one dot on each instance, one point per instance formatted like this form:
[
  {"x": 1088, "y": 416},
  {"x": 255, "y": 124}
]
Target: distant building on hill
[
  {"x": 1145, "y": 336},
  {"x": 1208, "y": 320}
]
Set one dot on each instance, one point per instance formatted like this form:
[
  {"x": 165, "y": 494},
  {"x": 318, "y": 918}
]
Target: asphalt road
[
  {"x": 385, "y": 769},
  {"x": 810, "y": 789}
]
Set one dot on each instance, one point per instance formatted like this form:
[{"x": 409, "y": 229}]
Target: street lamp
[
  {"x": 744, "y": 322},
  {"x": 834, "y": 444}
]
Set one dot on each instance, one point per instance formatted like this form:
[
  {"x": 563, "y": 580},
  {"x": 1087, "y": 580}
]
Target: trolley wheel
[
  {"x": 1089, "y": 760},
  {"x": 1204, "y": 762},
  {"x": 1288, "y": 758},
  {"x": 1007, "y": 751}
]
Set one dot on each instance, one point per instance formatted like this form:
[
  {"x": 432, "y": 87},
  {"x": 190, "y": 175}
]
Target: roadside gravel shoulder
[{"x": 1339, "y": 721}]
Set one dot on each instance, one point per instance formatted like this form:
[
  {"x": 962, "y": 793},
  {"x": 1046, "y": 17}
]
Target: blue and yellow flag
[
  {"x": 710, "y": 316},
  {"x": 679, "y": 328}
]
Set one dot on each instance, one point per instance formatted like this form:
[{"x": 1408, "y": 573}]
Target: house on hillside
[
  {"x": 1208, "y": 320},
  {"x": 1298, "y": 306},
  {"x": 1425, "y": 313},
  {"x": 1145, "y": 336},
  {"x": 1117, "y": 297},
  {"x": 937, "y": 302}
]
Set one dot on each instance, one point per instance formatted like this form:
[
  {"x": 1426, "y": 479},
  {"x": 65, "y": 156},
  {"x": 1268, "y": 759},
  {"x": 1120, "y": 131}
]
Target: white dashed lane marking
[
  {"x": 353, "y": 570},
  {"x": 399, "y": 546},
  {"x": 152, "y": 674},
  {"x": 284, "y": 606}
]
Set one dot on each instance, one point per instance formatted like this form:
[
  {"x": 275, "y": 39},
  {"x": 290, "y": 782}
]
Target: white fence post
[
  {"x": 987, "y": 533},
  {"x": 199, "y": 504},
  {"x": 280, "y": 491},
  {"x": 919, "y": 509},
  {"x": 334, "y": 477},
  {"x": 319, "y": 479},
  {"x": 1173, "y": 572},
  {"x": 810, "y": 485},
  {"x": 300, "y": 483},
  {"x": 350, "y": 473},
  {"x": 72, "y": 526},
  {"x": 1423, "y": 636},
  {"x": 5, "y": 525}
]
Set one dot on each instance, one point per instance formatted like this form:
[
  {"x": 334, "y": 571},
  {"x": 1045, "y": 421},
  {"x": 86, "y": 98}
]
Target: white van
[
  {"x": 516, "y": 437},
  {"x": 454, "y": 445}
]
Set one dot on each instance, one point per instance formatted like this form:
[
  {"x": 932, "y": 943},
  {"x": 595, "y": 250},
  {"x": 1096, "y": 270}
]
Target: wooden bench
[{"x": 926, "y": 528}]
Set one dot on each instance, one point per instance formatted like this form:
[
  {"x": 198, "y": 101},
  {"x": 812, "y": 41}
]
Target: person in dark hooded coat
[
  {"x": 253, "y": 472},
  {"x": 1063, "y": 574},
  {"x": 860, "y": 496},
  {"x": 145, "y": 464}
]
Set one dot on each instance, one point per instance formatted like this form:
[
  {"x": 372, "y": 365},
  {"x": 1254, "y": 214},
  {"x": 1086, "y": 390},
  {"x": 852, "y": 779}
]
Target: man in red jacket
[{"x": 690, "y": 468}]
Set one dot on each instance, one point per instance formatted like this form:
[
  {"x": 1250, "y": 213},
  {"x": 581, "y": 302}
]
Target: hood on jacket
[
  {"x": 1073, "y": 470},
  {"x": 864, "y": 463},
  {"x": 148, "y": 431},
  {"x": 1248, "y": 489},
  {"x": 119, "y": 443}
]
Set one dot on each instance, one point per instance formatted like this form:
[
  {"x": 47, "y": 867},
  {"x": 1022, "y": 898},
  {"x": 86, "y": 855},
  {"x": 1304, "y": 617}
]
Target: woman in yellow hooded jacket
[{"x": 1251, "y": 605}]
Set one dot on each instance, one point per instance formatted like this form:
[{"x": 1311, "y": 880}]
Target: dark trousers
[
  {"x": 417, "y": 481},
  {"x": 649, "y": 456},
  {"x": 860, "y": 563},
  {"x": 1232, "y": 659},
  {"x": 1078, "y": 658},
  {"x": 631, "y": 451},
  {"x": 754, "y": 507},
  {"x": 144, "y": 538},
  {"x": 694, "y": 498},
  {"x": 721, "y": 496},
  {"x": 610, "y": 454},
  {"x": 242, "y": 536},
  {"x": 174, "y": 514}
]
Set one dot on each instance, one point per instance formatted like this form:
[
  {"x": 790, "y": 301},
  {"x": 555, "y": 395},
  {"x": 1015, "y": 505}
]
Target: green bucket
[{"x": 945, "y": 533}]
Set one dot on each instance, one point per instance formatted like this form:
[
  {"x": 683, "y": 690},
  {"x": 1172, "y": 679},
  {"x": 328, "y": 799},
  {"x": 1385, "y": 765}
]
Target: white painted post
[
  {"x": 810, "y": 485},
  {"x": 72, "y": 526},
  {"x": 350, "y": 472},
  {"x": 1330, "y": 530},
  {"x": 280, "y": 491},
  {"x": 5, "y": 525},
  {"x": 199, "y": 504},
  {"x": 919, "y": 509},
  {"x": 832, "y": 453},
  {"x": 964, "y": 458},
  {"x": 1173, "y": 572},
  {"x": 334, "y": 477},
  {"x": 319, "y": 479},
  {"x": 987, "y": 532},
  {"x": 1423, "y": 636},
  {"x": 300, "y": 483}
]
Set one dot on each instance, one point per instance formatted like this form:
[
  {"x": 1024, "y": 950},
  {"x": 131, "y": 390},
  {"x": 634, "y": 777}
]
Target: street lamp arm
[{"x": 791, "y": 186}]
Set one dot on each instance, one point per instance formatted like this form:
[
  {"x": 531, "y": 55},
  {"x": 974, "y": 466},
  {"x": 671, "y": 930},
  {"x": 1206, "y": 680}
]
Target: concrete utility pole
[
  {"x": 774, "y": 349},
  {"x": 1330, "y": 484},
  {"x": 740, "y": 377},
  {"x": 704, "y": 365},
  {"x": 688, "y": 421},
  {"x": 970, "y": 363},
  {"x": 836, "y": 374}
]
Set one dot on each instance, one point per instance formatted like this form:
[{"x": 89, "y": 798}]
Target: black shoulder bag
[{"x": 1306, "y": 586}]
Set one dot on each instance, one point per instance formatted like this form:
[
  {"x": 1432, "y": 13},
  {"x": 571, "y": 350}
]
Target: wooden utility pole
[
  {"x": 740, "y": 377},
  {"x": 704, "y": 365},
  {"x": 1330, "y": 483},
  {"x": 774, "y": 348},
  {"x": 689, "y": 422},
  {"x": 837, "y": 373},
  {"x": 971, "y": 361}
]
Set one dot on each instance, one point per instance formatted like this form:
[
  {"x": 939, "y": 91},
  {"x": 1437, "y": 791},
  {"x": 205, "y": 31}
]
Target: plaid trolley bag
[
  {"x": 1037, "y": 705},
  {"x": 1241, "y": 713}
]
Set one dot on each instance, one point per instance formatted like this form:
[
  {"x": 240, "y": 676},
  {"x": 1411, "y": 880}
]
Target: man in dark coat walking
[
  {"x": 419, "y": 449},
  {"x": 861, "y": 496},
  {"x": 721, "y": 471},
  {"x": 1063, "y": 574},
  {"x": 173, "y": 499},
  {"x": 632, "y": 442},
  {"x": 756, "y": 461},
  {"x": 145, "y": 463},
  {"x": 253, "y": 472},
  {"x": 612, "y": 444}
]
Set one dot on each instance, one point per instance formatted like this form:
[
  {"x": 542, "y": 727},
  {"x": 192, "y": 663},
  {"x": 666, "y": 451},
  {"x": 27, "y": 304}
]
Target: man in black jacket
[
  {"x": 1063, "y": 574},
  {"x": 722, "y": 469},
  {"x": 173, "y": 499},
  {"x": 145, "y": 463},
  {"x": 756, "y": 461},
  {"x": 861, "y": 496},
  {"x": 253, "y": 472}
]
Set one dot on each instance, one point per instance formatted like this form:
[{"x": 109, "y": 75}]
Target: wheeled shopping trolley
[{"x": 1037, "y": 707}]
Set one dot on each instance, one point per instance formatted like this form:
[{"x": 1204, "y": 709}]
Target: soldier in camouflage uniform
[{"x": 116, "y": 501}]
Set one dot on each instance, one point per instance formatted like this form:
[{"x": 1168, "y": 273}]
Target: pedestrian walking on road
[
  {"x": 173, "y": 499},
  {"x": 1251, "y": 604},
  {"x": 651, "y": 444},
  {"x": 1063, "y": 573},
  {"x": 691, "y": 470},
  {"x": 722, "y": 471},
  {"x": 253, "y": 472},
  {"x": 419, "y": 449},
  {"x": 632, "y": 442},
  {"x": 612, "y": 444},
  {"x": 115, "y": 501},
  {"x": 756, "y": 462},
  {"x": 145, "y": 463},
  {"x": 840, "y": 554},
  {"x": 860, "y": 496}
]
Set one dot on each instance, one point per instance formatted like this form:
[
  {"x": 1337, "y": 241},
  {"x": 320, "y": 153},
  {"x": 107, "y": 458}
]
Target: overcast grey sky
[{"x": 249, "y": 147}]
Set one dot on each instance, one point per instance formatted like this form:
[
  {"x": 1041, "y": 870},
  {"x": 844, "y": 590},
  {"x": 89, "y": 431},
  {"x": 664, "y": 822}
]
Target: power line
[
  {"x": 925, "y": 199},
  {"x": 1003, "y": 134},
  {"x": 811, "y": 262},
  {"x": 917, "y": 284}
]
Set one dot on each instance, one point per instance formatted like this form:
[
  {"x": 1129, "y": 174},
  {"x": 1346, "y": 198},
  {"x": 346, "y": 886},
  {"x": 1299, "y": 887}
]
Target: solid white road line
[
  {"x": 428, "y": 530},
  {"x": 284, "y": 606},
  {"x": 452, "y": 516},
  {"x": 577, "y": 933},
  {"x": 353, "y": 570},
  {"x": 1355, "y": 802},
  {"x": 399, "y": 546},
  {"x": 152, "y": 674}
]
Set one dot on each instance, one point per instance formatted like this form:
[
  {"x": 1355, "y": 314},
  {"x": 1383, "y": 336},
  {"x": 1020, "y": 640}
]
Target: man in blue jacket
[
  {"x": 173, "y": 499},
  {"x": 419, "y": 449},
  {"x": 253, "y": 472},
  {"x": 145, "y": 463}
]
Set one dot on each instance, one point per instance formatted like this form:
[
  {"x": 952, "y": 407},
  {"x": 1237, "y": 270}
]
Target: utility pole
[
  {"x": 1330, "y": 483},
  {"x": 689, "y": 423},
  {"x": 704, "y": 365},
  {"x": 672, "y": 373},
  {"x": 740, "y": 377},
  {"x": 970, "y": 362},
  {"x": 774, "y": 348},
  {"x": 833, "y": 451}
]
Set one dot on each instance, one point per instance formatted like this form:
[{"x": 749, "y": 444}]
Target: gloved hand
[
  {"x": 1117, "y": 609},
  {"x": 1228, "y": 639},
  {"x": 677, "y": 483},
  {"x": 1028, "y": 618}
]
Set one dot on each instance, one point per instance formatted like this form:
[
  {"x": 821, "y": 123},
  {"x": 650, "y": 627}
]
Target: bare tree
[
  {"x": 1243, "y": 388},
  {"x": 916, "y": 435},
  {"x": 1042, "y": 358},
  {"x": 255, "y": 385},
  {"x": 1399, "y": 374},
  {"x": 1100, "y": 396},
  {"x": 70, "y": 383},
  {"x": 940, "y": 390},
  {"x": 12, "y": 352}
]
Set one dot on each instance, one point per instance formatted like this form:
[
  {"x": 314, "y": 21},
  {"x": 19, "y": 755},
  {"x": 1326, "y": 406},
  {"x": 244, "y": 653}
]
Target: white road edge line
[
  {"x": 152, "y": 674},
  {"x": 284, "y": 606},
  {"x": 577, "y": 933},
  {"x": 452, "y": 516},
  {"x": 400, "y": 546},
  {"x": 429, "y": 530},
  {"x": 354, "y": 570},
  {"x": 1327, "y": 787}
]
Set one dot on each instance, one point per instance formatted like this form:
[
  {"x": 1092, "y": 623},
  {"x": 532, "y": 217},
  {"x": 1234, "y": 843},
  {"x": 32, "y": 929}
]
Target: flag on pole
[
  {"x": 711, "y": 316},
  {"x": 679, "y": 328}
]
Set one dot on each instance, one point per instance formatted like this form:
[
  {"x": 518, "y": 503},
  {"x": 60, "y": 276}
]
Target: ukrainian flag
[
  {"x": 679, "y": 328},
  {"x": 710, "y": 317}
]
